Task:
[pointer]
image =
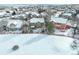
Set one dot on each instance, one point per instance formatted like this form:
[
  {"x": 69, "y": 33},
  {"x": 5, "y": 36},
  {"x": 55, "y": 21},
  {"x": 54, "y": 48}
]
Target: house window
[{"x": 4, "y": 27}]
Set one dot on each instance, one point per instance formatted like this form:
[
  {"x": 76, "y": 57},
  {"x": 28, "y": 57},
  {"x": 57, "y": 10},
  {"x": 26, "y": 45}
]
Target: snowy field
[{"x": 35, "y": 44}]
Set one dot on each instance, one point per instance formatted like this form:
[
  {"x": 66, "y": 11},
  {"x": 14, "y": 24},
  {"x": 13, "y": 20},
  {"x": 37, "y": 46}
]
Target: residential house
[
  {"x": 37, "y": 25},
  {"x": 60, "y": 23},
  {"x": 15, "y": 26},
  {"x": 66, "y": 15},
  {"x": 2, "y": 13},
  {"x": 3, "y": 24},
  {"x": 33, "y": 14},
  {"x": 58, "y": 13}
]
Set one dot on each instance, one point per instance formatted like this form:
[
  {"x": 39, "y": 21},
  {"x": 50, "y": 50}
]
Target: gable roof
[
  {"x": 67, "y": 14},
  {"x": 59, "y": 20},
  {"x": 17, "y": 23}
]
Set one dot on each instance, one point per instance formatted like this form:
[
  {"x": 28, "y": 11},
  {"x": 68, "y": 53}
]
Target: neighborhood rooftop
[
  {"x": 36, "y": 20},
  {"x": 59, "y": 20}
]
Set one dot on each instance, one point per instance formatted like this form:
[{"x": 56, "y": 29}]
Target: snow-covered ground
[
  {"x": 36, "y": 44},
  {"x": 68, "y": 32}
]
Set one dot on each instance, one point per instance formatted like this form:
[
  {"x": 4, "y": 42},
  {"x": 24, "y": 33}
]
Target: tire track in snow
[
  {"x": 35, "y": 39},
  {"x": 7, "y": 37},
  {"x": 32, "y": 40}
]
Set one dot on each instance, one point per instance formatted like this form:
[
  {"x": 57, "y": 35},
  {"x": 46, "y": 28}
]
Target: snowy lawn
[{"x": 35, "y": 44}]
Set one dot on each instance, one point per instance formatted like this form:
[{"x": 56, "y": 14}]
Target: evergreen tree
[{"x": 14, "y": 13}]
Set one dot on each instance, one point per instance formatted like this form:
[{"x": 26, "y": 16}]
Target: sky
[
  {"x": 39, "y": 2},
  {"x": 24, "y": 2}
]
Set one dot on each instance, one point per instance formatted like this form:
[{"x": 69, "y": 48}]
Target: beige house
[{"x": 37, "y": 25}]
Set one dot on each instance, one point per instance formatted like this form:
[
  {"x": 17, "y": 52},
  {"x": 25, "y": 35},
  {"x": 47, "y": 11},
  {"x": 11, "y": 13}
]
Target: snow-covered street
[{"x": 36, "y": 44}]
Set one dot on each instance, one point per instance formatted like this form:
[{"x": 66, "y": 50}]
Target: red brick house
[{"x": 60, "y": 23}]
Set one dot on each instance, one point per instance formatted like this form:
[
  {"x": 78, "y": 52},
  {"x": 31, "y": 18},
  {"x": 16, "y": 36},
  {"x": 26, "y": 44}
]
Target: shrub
[{"x": 50, "y": 27}]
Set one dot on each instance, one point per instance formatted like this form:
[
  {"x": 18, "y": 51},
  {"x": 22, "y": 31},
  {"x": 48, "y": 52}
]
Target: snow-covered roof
[
  {"x": 43, "y": 13},
  {"x": 1, "y": 19},
  {"x": 57, "y": 14},
  {"x": 58, "y": 20},
  {"x": 17, "y": 23},
  {"x": 33, "y": 13},
  {"x": 2, "y": 13},
  {"x": 67, "y": 14},
  {"x": 22, "y": 15},
  {"x": 35, "y": 44},
  {"x": 16, "y": 16},
  {"x": 28, "y": 12},
  {"x": 36, "y": 20},
  {"x": 3, "y": 23},
  {"x": 77, "y": 15}
]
